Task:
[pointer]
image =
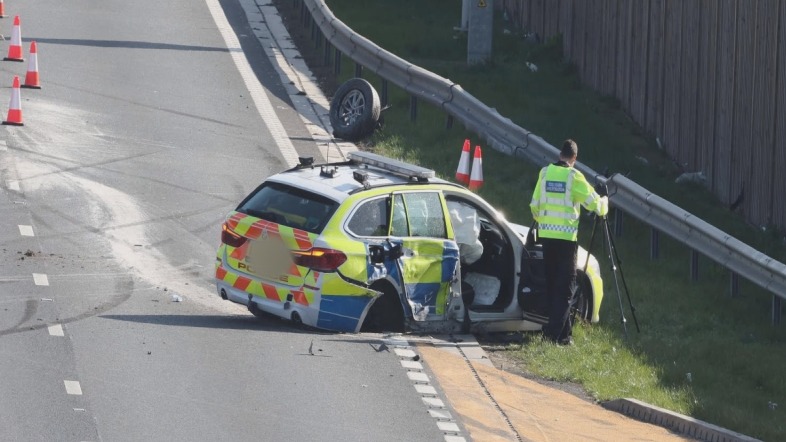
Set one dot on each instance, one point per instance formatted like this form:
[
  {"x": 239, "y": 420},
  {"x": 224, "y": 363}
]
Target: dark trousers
[{"x": 559, "y": 257}]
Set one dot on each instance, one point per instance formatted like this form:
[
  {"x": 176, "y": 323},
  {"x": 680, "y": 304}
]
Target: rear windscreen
[{"x": 289, "y": 206}]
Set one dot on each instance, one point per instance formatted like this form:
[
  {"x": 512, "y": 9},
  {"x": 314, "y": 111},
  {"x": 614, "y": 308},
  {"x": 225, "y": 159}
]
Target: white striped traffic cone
[
  {"x": 462, "y": 173},
  {"x": 15, "y": 48},
  {"x": 15, "y": 108},
  {"x": 31, "y": 79},
  {"x": 476, "y": 179}
]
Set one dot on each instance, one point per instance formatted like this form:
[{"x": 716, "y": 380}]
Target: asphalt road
[{"x": 148, "y": 129}]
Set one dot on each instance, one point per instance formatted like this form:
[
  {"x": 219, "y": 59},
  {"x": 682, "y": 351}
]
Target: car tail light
[
  {"x": 319, "y": 259},
  {"x": 231, "y": 238}
]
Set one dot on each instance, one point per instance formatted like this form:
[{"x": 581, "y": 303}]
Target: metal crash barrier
[{"x": 503, "y": 135}]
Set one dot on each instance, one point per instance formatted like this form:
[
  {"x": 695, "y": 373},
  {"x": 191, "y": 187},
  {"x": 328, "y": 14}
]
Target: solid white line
[
  {"x": 26, "y": 230},
  {"x": 56, "y": 330},
  {"x": 40, "y": 279},
  {"x": 255, "y": 89},
  {"x": 13, "y": 185},
  {"x": 73, "y": 387}
]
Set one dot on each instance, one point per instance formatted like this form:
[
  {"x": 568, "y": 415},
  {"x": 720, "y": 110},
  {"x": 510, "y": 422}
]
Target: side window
[
  {"x": 424, "y": 215},
  {"x": 370, "y": 219},
  {"x": 399, "y": 222}
]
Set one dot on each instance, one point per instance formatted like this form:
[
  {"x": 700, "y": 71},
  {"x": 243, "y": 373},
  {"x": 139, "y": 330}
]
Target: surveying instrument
[{"x": 614, "y": 259}]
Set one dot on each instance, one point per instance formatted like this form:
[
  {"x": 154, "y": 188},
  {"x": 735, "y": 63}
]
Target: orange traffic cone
[
  {"x": 476, "y": 179},
  {"x": 2, "y": 9},
  {"x": 15, "y": 108},
  {"x": 31, "y": 79},
  {"x": 462, "y": 173},
  {"x": 15, "y": 48}
]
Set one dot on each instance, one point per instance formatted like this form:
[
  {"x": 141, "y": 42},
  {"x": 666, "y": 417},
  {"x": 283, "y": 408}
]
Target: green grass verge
[{"x": 700, "y": 351}]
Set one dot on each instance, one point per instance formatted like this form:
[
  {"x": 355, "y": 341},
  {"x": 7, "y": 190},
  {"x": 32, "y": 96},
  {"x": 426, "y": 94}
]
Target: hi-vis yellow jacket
[{"x": 555, "y": 201}]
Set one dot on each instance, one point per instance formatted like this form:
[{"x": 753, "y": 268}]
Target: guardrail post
[
  {"x": 320, "y": 37},
  {"x": 337, "y": 65},
  {"x": 694, "y": 265},
  {"x": 413, "y": 108},
  {"x": 654, "y": 244},
  {"x": 449, "y": 122},
  {"x": 618, "y": 217},
  {"x": 383, "y": 98},
  {"x": 358, "y": 70},
  {"x": 734, "y": 285},
  {"x": 313, "y": 25},
  {"x": 303, "y": 14},
  {"x": 327, "y": 53},
  {"x": 776, "y": 310}
]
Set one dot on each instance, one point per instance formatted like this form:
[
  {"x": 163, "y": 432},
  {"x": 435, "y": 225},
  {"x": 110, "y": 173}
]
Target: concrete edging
[{"x": 674, "y": 421}]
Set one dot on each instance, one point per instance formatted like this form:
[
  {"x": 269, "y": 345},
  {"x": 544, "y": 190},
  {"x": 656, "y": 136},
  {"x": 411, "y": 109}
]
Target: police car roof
[{"x": 337, "y": 181}]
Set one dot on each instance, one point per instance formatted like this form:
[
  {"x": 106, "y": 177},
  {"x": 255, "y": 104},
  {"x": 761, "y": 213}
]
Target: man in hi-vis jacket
[{"x": 560, "y": 191}]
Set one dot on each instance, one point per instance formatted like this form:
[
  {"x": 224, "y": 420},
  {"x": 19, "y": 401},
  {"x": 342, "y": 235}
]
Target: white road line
[
  {"x": 26, "y": 230},
  {"x": 73, "y": 387},
  {"x": 40, "y": 279},
  {"x": 448, "y": 426},
  {"x": 56, "y": 330},
  {"x": 417, "y": 377},
  {"x": 255, "y": 89},
  {"x": 454, "y": 439},
  {"x": 425, "y": 389},
  {"x": 433, "y": 402},
  {"x": 13, "y": 185},
  {"x": 440, "y": 414},
  {"x": 404, "y": 353},
  {"x": 411, "y": 365}
]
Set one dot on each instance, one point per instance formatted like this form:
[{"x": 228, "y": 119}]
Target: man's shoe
[{"x": 566, "y": 341}]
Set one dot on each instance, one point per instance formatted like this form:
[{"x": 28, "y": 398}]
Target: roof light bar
[{"x": 391, "y": 165}]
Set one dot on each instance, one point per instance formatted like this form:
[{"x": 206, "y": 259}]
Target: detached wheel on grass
[{"x": 354, "y": 110}]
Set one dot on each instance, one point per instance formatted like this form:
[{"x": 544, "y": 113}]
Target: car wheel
[
  {"x": 582, "y": 304},
  {"x": 386, "y": 315},
  {"x": 354, "y": 110},
  {"x": 254, "y": 309}
]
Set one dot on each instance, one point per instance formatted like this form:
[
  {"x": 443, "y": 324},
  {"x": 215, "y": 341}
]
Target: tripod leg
[
  {"x": 589, "y": 246},
  {"x": 625, "y": 285},
  {"x": 607, "y": 232}
]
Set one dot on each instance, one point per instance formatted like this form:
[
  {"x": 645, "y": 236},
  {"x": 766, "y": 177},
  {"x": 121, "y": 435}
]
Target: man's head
[{"x": 569, "y": 152}]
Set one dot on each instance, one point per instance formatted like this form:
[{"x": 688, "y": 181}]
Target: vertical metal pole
[
  {"x": 358, "y": 70},
  {"x": 694, "y": 265},
  {"x": 734, "y": 285},
  {"x": 654, "y": 244},
  {"x": 618, "y": 219},
  {"x": 320, "y": 37},
  {"x": 413, "y": 108},
  {"x": 776, "y": 310},
  {"x": 327, "y": 53},
  {"x": 449, "y": 122},
  {"x": 337, "y": 63},
  {"x": 384, "y": 96},
  {"x": 303, "y": 15},
  {"x": 313, "y": 25}
]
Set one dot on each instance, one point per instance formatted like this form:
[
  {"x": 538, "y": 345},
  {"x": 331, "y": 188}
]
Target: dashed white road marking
[
  {"x": 448, "y": 426},
  {"x": 439, "y": 414},
  {"x": 40, "y": 279},
  {"x": 26, "y": 230},
  {"x": 434, "y": 402},
  {"x": 417, "y": 377},
  {"x": 56, "y": 330},
  {"x": 13, "y": 185},
  {"x": 411, "y": 365},
  {"x": 404, "y": 353},
  {"x": 425, "y": 389},
  {"x": 73, "y": 387}
]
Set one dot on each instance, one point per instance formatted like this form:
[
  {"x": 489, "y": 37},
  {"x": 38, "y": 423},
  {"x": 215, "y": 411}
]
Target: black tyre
[
  {"x": 354, "y": 110},
  {"x": 582, "y": 305},
  {"x": 387, "y": 314}
]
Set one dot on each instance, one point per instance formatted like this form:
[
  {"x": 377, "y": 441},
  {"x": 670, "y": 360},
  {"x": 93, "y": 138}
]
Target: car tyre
[
  {"x": 354, "y": 110},
  {"x": 582, "y": 302},
  {"x": 387, "y": 314},
  {"x": 254, "y": 309}
]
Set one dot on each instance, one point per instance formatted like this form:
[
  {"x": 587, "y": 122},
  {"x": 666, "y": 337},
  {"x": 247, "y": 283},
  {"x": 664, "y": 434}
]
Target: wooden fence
[{"x": 707, "y": 77}]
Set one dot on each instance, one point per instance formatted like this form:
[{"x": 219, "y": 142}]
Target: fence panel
[
  {"x": 580, "y": 38},
  {"x": 550, "y": 19},
  {"x": 566, "y": 28},
  {"x": 624, "y": 56},
  {"x": 740, "y": 187},
  {"x": 638, "y": 68},
  {"x": 536, "y": 11},
  {"x": 779, "y": 163},
  {"x": 764, "y": 111},
  {"x": 672, "y": 59},
  {"x": 689, "y": 84},
  {"x": 654, "y": 105},
  {"x": 706, "y": 100},
  {"x": 724, "y": 117}
]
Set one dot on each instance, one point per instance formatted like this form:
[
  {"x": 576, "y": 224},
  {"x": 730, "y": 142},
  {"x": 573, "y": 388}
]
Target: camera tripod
[{"x": 615, "y": 267}]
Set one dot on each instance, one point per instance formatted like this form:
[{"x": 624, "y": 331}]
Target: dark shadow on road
[
  {"x": 229, "y": 322},
  {"x": 124, "y": 44}
]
